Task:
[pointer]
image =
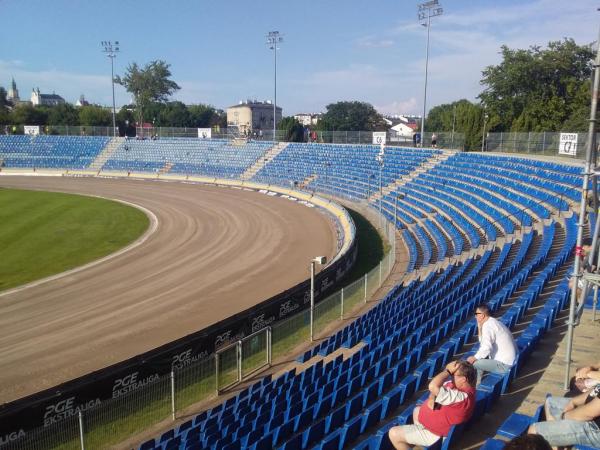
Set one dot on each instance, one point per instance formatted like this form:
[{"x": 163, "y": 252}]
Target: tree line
[{"x": 531, "y": 90}]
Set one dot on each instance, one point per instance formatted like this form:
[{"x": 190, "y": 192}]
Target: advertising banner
[
  {"x": 567, "y": 144},
  {"x": 32, "y": 130},
  {"x": 204, "y": 133}
]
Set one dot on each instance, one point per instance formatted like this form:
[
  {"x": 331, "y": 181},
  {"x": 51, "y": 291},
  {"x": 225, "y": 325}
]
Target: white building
[
  {"x": 403, "y": 126},
  {"x": 253, "y": 115},
  {"x": 307, "y": 119},
  {"x": 45, "y": 99}
]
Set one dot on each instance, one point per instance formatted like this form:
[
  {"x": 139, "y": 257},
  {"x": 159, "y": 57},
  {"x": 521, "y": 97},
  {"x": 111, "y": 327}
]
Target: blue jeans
[
  {"x": 567, "y": 432},
  {"x": 490, "y": 365}
]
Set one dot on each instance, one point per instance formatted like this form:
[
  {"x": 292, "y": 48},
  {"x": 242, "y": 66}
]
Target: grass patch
[
  {"x": 371, "y": 248},
  {"x": 44, "y": 233}
]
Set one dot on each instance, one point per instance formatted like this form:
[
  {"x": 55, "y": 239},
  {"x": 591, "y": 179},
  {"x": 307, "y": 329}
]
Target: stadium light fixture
[
  {"x": 111, "y": 49},
  {"x": 426, "y": 11},
  {"x": 318, "y": 260},
  {"x": 273, "y": 39}
]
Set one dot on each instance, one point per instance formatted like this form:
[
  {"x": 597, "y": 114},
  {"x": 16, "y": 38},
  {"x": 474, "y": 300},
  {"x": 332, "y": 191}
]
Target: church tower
[{"x": 13, "y": 93}]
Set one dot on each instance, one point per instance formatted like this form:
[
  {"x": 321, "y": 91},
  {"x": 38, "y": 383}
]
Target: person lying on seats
[{"x": 571, "y": 421}]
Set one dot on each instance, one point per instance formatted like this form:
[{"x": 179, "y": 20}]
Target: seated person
[
  {"x": 571, "y": 421},
  {"x": 586, "y": 378},
  {"x": 497, "y": 350},
  {"x": 451, "y": 402}
]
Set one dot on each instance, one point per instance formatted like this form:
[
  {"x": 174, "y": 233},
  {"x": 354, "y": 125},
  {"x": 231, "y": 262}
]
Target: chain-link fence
[
  {"x": 546, "y": 143},
  {"x": 444, "y": 139},
  {"x": 110, "y": 422}
]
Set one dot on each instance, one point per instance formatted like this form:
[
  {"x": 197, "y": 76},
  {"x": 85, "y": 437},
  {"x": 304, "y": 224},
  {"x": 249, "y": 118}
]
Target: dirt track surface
[{"x": 215, "y": 252}]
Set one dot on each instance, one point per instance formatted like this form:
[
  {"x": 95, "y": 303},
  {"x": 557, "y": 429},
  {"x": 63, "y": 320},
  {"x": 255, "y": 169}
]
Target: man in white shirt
[{"x": 497, "y": 349}]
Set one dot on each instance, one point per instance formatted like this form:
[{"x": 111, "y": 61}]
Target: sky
[{"x": 372, "y": 51}]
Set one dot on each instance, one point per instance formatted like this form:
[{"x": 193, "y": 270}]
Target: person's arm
[
  {"x": 438, "y": 381},
  {"x": 575, "y": 402},
  {"x": 584, "y": 372},
  {"x": 485, "y": 346},
  {"x": 585, "y": 412}
]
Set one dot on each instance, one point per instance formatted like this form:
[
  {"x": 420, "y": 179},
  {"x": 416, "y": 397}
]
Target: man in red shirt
[{"x": 450, "y": 402}]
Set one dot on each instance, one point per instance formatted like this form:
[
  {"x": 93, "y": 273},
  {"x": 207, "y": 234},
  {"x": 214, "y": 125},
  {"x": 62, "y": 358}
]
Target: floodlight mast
[
  {"x": 111, "y": 49},
  {"x": 426, "y": 11},
  {"x": 273, "y": 38}
]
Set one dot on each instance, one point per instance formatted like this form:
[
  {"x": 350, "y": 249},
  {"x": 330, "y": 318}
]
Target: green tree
[
  {"x": 294, "y": 131},
  {"x": 3, "y": 100},
  {"x": 150, "y": 84},
  {"x": 205, "y": 116},
  {"x": 467, "y": 118},
  {"x": 351, "y": 116},
  {"x": 28, "y": 114},
  {"x": 63, "y": 114},
  {"x": 539, "y": 89},
  {"x": 174, "y": 114},
  {"x": 126, "y": 121},
  {"x": 95, "y": 116}
]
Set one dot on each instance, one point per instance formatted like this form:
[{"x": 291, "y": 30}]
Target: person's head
[
  {"x": 528, "y": 442},
  {"x": 464, "y": 375},
  {"x": 482, "y": 313}
]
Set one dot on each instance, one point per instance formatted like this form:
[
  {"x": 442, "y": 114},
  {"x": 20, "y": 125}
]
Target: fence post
[
  {"x": 217, "y": 372},
  {"x": 528, "y": 141},
  {"x": 501, "y": 138},
  {"x": 173, "y": 393},
  {"x": 81, "y": 430},
  {"x": 269, "y": 346},
  {"x": 380, "y": 272},
  {"x": 342, "y": 305},
  {"x": 366, "y": 287},
  {"x": 239, "y": 359},
  {"x": 544, "y": 143}
]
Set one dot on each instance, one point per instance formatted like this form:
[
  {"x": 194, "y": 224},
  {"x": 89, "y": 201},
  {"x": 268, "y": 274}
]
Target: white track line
[{"x": 151, "y": 230}]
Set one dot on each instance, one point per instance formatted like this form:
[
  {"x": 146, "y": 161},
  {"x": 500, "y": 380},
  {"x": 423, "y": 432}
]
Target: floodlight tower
[
  {"x": 273, "y": 38},
  {"x": 111, "y": 49},
  {"x": 426, "y": 11}
]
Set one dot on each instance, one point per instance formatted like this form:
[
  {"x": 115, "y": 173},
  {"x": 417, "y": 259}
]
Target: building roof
[{"x": 254, "y": 103}]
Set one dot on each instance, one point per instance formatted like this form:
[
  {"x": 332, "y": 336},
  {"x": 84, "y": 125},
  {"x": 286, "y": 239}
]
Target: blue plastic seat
[{"x": 514, "y": 426}]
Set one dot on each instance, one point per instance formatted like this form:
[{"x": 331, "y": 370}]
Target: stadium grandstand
[{"x": 471, "y": 229}]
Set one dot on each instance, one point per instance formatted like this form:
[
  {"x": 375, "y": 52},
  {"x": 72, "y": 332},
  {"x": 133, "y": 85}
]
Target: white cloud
[
  {"x": 372, "y": 42},
  {"x": 408, "y": 106}
]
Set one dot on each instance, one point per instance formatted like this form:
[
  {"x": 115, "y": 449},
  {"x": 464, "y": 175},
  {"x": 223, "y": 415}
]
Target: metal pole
[
  {"x": 366, "y": 287},
  {"x": 483, "y": 134},
  {"x": 380, "y": 196},
  {"x": 396, "y": 211},
  {"x": 217, "y": 373},
  {"x": 275, "y": 103},
  {"x": 312, "y": 299},
  {"x": 544, "y": 142},
  {"x": 582, "y": 211},
  {"x": 239, "y": 359},
  {"x": 594, "y": 306},
  {"x": 453, "y": 125},
  {"x": 81, "y": 441},
  {"x": 173, "y": 394},
  {"x": 269, "y": 345},
  {"x": 112, "y": 79},
  {"x": 425, "y": 90},
  {"x": 342, "y": 305}
]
